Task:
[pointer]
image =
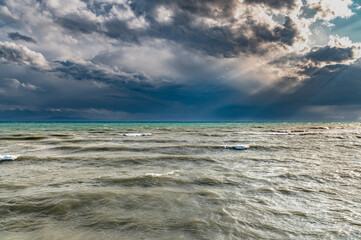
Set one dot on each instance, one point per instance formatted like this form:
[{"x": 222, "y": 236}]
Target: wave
[
  {"x": 68, "y": 147},
  {"x": 150, "y": 140},
  {"x": 167, "y": 179},
  {"x": 135, "y": 134},
  {"x": 296, "y": 133},
  {"x": 173, "y": 149},
  {"x": 35, "y": 137},
  {"x": 157, "y": 159},
  {"x": 8, "y": 157},
  {"x": 60, "y": 135},
  {"x": 116, "y": 161},
  {"x": 238, "y": 147}
]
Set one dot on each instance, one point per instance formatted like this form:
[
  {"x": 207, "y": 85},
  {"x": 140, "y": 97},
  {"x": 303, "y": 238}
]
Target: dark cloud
[
  {"x": 124, "y": 60},
  {"x": 78, "y": 24},
  {"x": 329, "y": 89},
  {"x": 274, "y": 3},
  {"x": 331, "y": 54},
  {"x": 202, "y": 8},
  {"x": 288, "y": 33},
  {"x": 119, "y": 30},
  {"x": 332, "y": 85},
  {"x": 284, "y": 35},
  {"x": 17, "y": 36},
  {"x": 94, "y": 72},
  {"x": 225, "y": 41},
  {"x": 228, "y": 40},
  {"x": 117, "y": 99},
  {"x": 318, "y": 60},
  {"x": 120, "y": 99},
  {"x": 215, "y": 41}
]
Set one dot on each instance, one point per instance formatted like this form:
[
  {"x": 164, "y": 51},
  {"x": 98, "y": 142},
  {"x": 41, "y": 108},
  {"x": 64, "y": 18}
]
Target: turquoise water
[{"x": 180, "y": 180}]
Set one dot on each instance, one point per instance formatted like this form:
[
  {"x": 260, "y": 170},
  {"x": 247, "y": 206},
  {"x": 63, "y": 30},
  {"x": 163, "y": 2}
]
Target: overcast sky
[{"x": 180, "y": 60}]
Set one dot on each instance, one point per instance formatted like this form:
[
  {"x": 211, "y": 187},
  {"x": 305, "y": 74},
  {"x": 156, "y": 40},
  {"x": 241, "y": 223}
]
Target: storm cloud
[
  {"x": 193, "y": 24},
  {"x": 200, "y": 59}
]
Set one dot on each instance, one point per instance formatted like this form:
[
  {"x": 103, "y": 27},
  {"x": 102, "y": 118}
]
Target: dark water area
[{"x": 180, "y": 181}]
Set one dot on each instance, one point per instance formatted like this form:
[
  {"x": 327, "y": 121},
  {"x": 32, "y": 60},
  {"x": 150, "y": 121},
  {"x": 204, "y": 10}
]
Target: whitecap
[
  {"x": 135, "y": 134},
  {"x": 161, "y": 175},
  {"x": 7, "y": 157},
  {"x": 154, "y": 175},
  {"x": 238, "y": 147}
]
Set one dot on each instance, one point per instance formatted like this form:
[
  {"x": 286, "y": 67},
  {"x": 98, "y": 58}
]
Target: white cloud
[
  {"x": 122, "y": 13},
  {"x": 138, "y": 23},
  {"x": 71, "y": 7},
  {"x": 330, "y": 9},
  {"x": 164, "y": 15},
  {"x": 20, "y": 54}
]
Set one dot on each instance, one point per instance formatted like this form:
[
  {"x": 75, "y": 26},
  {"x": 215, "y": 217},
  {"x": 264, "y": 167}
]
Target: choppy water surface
[{"x": 180, "y": 181}]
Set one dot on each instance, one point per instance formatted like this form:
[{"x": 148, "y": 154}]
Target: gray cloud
[
  {"x": 117, "y": 98},
  {"x": 167, "y": 59},
  {"x": 331, "y": 54},
  {"x": 274, "y": 3},
  {"x": 12, "y": 83},
  {"x": 331, "y": 93},
  {"x": 203, "y": 8},
  {"x": 77, "y": 24},
  {"x": 339, "y": 52},
  {"x": 11, "y": 52},
  {"x": 226, "y": 40},
  {"x": 120, "y": 30},
  {"x": 284, "y": 35},
  {"x": 17, "y": 36}
]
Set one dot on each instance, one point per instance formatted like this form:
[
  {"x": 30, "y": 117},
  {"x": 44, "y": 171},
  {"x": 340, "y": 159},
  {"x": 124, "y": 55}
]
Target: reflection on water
[{"x": 180, "y": 181}]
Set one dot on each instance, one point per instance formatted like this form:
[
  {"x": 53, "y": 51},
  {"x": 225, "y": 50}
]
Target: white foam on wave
[
  {"x": 135, "y": 134},
  {"x": 8, "y": 157},
  {"x": 154, "y": 175},
  {"x": 238, "y": 147},
  {"x": 161, "y": 175},
  {"x": 280, "y": 132}
]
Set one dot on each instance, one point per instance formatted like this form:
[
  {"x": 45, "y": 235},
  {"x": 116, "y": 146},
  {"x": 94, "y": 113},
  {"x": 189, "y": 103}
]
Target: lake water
[{"x": 180, "y": 181}]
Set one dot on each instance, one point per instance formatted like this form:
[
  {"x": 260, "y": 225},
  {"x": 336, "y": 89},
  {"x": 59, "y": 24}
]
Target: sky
[{"x": 180, "y": 60}]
